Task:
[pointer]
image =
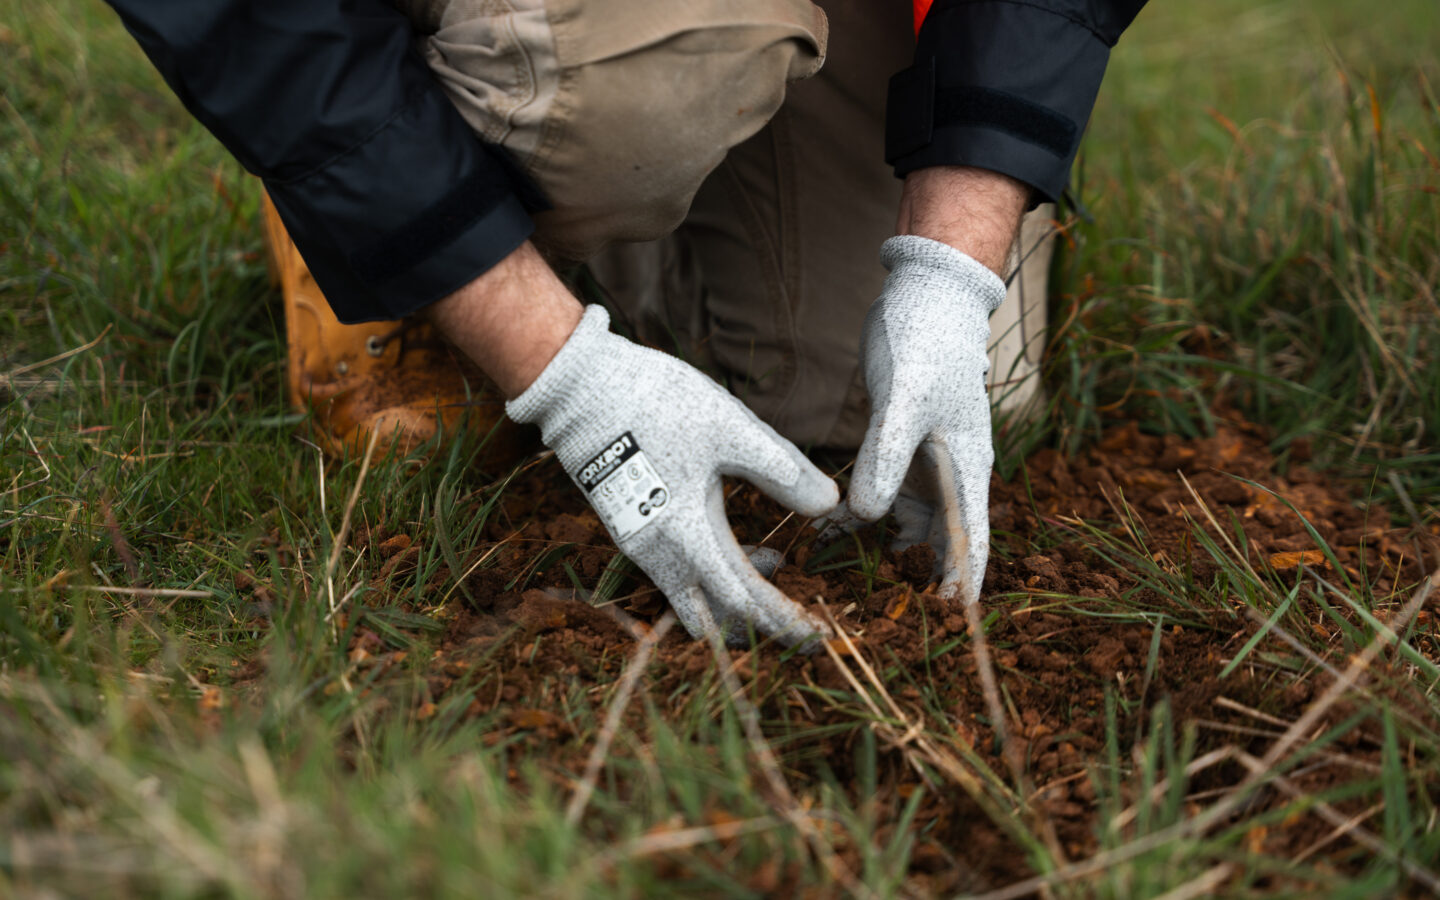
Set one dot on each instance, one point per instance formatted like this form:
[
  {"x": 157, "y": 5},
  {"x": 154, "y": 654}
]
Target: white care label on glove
[{"x": 624, "y": 488}]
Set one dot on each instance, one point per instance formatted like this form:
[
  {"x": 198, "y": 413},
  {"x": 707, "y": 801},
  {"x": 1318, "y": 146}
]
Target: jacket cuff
[
  {"x": 437, "y": 210},
  {"x": 1002, "y": 86}
]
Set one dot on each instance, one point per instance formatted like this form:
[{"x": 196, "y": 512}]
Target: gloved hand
[
  {"x": 647, "y": 437},
  {"x": 929, "y": 449}
]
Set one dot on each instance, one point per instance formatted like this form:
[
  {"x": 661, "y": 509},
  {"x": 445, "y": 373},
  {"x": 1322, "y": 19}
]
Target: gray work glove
[
  {"x": 647, "y": 437},
  {"x": 929, "y": 449}
]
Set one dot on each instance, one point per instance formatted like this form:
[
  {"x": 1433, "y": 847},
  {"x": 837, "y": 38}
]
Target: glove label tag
[{"x": 624, "y": 488}]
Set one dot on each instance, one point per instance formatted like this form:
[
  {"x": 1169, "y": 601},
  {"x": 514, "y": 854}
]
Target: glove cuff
[
  {"x": 555, "y": 381},
  {"x": 909, "y": 255}
]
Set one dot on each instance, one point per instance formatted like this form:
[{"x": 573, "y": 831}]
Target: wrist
[
  {"x": 511, "y": 320},
  {"x": 976, "y": 211}
]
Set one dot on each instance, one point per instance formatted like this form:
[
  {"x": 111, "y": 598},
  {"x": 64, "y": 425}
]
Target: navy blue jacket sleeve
[
  {"x": 390, "y": 197},
  {"x": 1005, "y": 85}
]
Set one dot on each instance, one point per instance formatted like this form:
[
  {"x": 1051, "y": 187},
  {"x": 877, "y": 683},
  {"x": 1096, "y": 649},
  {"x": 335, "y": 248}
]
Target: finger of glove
[
  {"x": 884, "y": 458},
  {"x": 691, "y": 607},
  {"x": 739, "y": 597},
  {"x": 738, "y": 594},
  {"x": 766, "y": 560},
  {"x": 963, "y": 518},
  {"x": 758, "y": 453},
  {"x": 675, "y": 552}
]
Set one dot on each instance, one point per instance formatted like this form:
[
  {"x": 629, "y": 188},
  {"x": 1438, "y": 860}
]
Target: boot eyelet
[
  {"x": 374, "y": 346},
  {"x": 342, "y": 367}
]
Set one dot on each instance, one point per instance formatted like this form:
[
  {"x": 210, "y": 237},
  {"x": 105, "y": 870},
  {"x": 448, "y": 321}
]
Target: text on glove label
[
  {"x": 607, "y": 461},
  {"x": 624, "y": 488}
]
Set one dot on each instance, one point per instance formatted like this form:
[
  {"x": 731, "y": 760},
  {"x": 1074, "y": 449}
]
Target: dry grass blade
[
  {"x": 790, "y": 808},
  {"x": 134, "y": 591},
  {"x": 59, "y": 357},
  {"x": 898, "y": 741},
  {"x": 1204, "y": 886},
  {"x": 1095, "y": 864},
  {"x": 1321, "y": 755},
  {"x": 171, "y": 830},
  {"x": 338, "y": 547},
  {"x": 1398, "y": 486},
  {"x": 1344, "y": 824},
  {"x": 1311, "y": 657},
  {"x": 1340, "y": 831},
  {"x": 1227, "y": 703},
  {"x": 39, "y": 457},
  {"x": 1294, "y": 643},
  {"x": 1352, "y": 674},
  {"x": 1223, "y": 534},
  {"x": 484, "y": 558},
  {"x": 631, "y": 677},
  {"x": 685, "y": 838},
  {"x": 1157, "y": 793},
  {"x": 914, "y": 736},
  {"x": 947, "y": 761},
  {"x": 990, "y": 687},
  {"x": 1262, "y": 772}
]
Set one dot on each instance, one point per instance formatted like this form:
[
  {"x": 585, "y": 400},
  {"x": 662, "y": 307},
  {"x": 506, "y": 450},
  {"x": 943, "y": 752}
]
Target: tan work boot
[
  {"x": 1017, "y": 328},
  {"x": 398, "y": 378}
]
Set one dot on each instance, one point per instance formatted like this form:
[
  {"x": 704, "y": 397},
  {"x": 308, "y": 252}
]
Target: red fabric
[{"x": 921, "y": 8}]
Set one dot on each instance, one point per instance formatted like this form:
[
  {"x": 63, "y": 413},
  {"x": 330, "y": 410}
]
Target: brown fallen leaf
[
  {"x": 534, "y": 719},
  {"x": 1292, "y": 559},
  {"x": 897, "y": 606}
]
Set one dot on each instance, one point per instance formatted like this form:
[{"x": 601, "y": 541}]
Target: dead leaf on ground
[{"x": 1292, "y": 559}]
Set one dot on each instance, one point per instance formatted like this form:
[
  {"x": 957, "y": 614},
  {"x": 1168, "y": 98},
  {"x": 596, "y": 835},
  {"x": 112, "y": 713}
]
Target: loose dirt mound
[{"x": 1086, "y": 616}]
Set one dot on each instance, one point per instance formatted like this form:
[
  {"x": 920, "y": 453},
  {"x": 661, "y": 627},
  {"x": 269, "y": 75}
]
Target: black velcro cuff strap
[
  {"x": 979, "y": 107},
  {"x": 434, "y": 228},
  {"x": 909, "y": 111},
  {"x": 915, "y": 107}
]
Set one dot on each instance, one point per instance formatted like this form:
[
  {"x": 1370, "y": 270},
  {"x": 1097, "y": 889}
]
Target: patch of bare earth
[{"x": 1072, "y": 626}]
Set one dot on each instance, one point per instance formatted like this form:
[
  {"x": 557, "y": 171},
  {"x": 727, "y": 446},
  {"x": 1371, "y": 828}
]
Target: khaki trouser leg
[
  {"x": 618, "y": 109},
  {"x": 1017, "y": 329},
  {"x": 784, "y": 239},
  {"x": 647, "y": 120},
  {"x": 770, "y": 277}
]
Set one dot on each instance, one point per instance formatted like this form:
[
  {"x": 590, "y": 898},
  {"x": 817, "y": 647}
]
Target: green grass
[
  {"x": 1254, "y": 225},
  {"x": 1268, "y": 222}
]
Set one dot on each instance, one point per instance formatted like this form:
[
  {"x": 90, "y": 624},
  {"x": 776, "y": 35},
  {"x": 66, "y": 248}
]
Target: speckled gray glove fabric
[
  {"x": 647, "y": 437},
  {"x": 929, "y": 449}
]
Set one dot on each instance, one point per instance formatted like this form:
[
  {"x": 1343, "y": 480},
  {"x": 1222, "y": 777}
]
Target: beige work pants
[{"x": 729, "y": 193}]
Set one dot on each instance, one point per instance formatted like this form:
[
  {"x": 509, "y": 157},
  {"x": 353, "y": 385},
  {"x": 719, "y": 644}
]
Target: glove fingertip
[
  {"x": 868, "y": 505},
  {"x": 781, "y": 470},
  {"x": 874, "y": 487},
  {"x": 690, "y": 606},
  {"x": 815, "y": 493},
  {"x": 884, "y": 458}
]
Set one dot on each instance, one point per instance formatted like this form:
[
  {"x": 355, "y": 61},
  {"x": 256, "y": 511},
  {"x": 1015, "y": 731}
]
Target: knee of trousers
[
  {"x": 1018, "y": 327},
  {"x": 618, "y": 109}
]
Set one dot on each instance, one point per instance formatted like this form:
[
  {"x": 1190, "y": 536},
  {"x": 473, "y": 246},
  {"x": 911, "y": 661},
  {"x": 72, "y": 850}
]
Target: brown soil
[{"x": 1075, "y": 621}]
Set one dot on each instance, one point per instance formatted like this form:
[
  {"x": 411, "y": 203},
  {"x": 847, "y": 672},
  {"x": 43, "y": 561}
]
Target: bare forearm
[
  {"x": 976, "y": 211},
  {"x": 512, "y": 320}
]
